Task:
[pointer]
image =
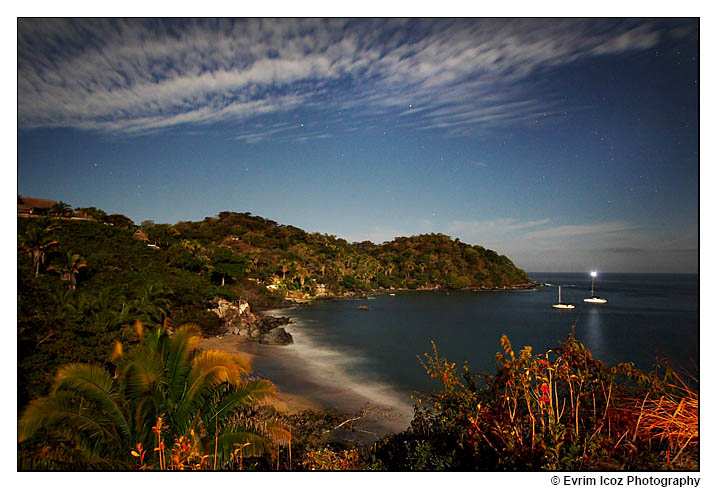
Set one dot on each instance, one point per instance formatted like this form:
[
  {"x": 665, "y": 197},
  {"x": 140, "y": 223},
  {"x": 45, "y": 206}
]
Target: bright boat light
[{"x": 593, "y": 273}]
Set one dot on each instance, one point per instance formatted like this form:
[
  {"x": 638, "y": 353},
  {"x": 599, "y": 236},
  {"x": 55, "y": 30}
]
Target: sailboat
[
  {"x": 594, "y": 299},
  {"x": 563, "y": 306}
]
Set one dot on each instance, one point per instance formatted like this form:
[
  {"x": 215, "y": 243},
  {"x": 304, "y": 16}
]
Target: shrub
[
  {"x": 561, "y": 410},
  {"x": 161, "y": 393}
]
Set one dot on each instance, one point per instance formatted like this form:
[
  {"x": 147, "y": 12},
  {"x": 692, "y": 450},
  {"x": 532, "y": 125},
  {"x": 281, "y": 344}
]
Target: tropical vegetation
[
  {"x": 294, "y": 260},
  {"x": 36, "y": 242},
  {"x": 558, "y": 410},
  {"x": 162, "y": 393}
]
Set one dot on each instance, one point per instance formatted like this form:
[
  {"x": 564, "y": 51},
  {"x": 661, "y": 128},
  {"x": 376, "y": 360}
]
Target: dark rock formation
[
  {"x": 270, "y": 322},
  {"x": 237, "y": 319},
  {"x": 276, "y": 336}
]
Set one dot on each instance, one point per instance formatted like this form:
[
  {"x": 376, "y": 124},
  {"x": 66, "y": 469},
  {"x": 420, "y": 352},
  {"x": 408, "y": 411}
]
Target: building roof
[
  {"x": 140, "y": 235},
  {"x": 34, "y": 203}
]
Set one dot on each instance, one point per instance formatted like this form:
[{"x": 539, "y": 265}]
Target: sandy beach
[
  {"x": 285, "y": 402},
  {"x": 304, "y": 385}
]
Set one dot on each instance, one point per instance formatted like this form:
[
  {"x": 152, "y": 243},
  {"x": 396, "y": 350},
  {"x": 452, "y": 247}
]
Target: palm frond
[
  {"x": 235, "y": 436},
  {"x": 82, "y": 432},
  {"x": 278, "y": 431},
  {"x": 94, "y": 419},
  {"x": 157, "y": 339},
  {"x": 252, "y": 391},
  {"x": 210, "y": 369},
  {"x": 58, "y": 410},
  {"x": 141, "y": 372},
  {"x": 182, "y": 347},
  {"x": 96, "y": 384},
  {"x": 216, "y": 367},
  {"x": 59, "y": 457},
  {"x": 147, "y": 407}
]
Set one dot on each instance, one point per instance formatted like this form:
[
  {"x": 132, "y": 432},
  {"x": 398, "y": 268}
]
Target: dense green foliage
[
  {"x": 562, "y": 410},
  {"x": 123, "y": 280},
  {"x": 161, "y": 391},
  {"x": 297, "y": 260}
]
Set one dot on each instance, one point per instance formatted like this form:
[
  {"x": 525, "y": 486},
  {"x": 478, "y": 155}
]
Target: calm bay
[{"x": 345, "y": 357}]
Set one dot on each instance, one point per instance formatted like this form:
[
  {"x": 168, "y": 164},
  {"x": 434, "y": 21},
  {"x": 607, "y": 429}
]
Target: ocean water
[{"x": 345, "y": 357}]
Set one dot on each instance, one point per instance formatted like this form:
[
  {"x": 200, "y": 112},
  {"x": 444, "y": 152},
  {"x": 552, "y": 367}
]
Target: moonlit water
[
  {"x": 334, "y": 376},
  {"x": 345, "y": 357}
]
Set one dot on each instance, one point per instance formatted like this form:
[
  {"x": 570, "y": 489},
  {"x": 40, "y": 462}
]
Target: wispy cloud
[
  {"x": 539, "y": 246},
  {"x": 566, "y": 231},
  {"x": 493, "y": 227},
  {"x": 137, "y": 76},
  {"x": 623, "y": 250}
]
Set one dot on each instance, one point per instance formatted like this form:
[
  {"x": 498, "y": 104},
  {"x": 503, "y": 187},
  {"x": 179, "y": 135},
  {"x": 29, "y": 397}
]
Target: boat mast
[{"x": 559, "y": 295}]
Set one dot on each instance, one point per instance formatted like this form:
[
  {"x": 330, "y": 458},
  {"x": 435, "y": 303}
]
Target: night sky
[{"x": 566, "y": 144}]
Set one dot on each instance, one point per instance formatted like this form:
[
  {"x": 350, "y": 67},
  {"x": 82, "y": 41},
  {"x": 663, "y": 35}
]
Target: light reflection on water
[{"x": 592, "y": 332}]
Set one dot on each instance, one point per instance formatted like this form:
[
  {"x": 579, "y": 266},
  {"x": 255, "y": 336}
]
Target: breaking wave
[{"x": 344, "y": 372}]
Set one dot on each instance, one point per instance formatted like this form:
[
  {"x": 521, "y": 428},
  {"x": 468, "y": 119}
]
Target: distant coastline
[{"x": 290, "y": 301}]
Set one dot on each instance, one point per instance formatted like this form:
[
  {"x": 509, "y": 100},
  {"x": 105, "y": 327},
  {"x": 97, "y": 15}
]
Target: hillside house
[
  {"x": 140, "y": 235},
  {"x": 32, "y": 206}
]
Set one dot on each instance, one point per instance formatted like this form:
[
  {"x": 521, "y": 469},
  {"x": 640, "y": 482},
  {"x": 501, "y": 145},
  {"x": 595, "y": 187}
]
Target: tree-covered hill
[
  {"x": 293, "y": 259},
  {"x": 81, "y": 283}
]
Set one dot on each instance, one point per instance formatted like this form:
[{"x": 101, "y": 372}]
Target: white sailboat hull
[
  {"x": 562, "y": 306},
  {"x": 594, "y": 300}
]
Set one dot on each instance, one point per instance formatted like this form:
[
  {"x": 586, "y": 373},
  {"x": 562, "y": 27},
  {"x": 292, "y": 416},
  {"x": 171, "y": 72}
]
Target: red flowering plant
[{"x": 559, "y": 410}]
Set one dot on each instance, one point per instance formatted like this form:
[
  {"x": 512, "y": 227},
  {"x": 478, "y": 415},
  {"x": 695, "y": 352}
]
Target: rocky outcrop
[
  {"x": 276, "y": 336},
  {"x": 270, "y": 322},
  {"x": 238, "y": 319}
]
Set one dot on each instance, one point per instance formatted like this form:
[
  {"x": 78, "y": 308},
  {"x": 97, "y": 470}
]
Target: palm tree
[
  {"x": 37, "y": 241},
  {"x": 285, "y": 265},
  {"x": 162, "y": 390},
  {"x": 61, "y": 209},
  {"x": 106, "y": 310},
  {"x": 68, "y": 266},
  {"x": 153, "y": 305},
  {"x": 297, "y": 271}
]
